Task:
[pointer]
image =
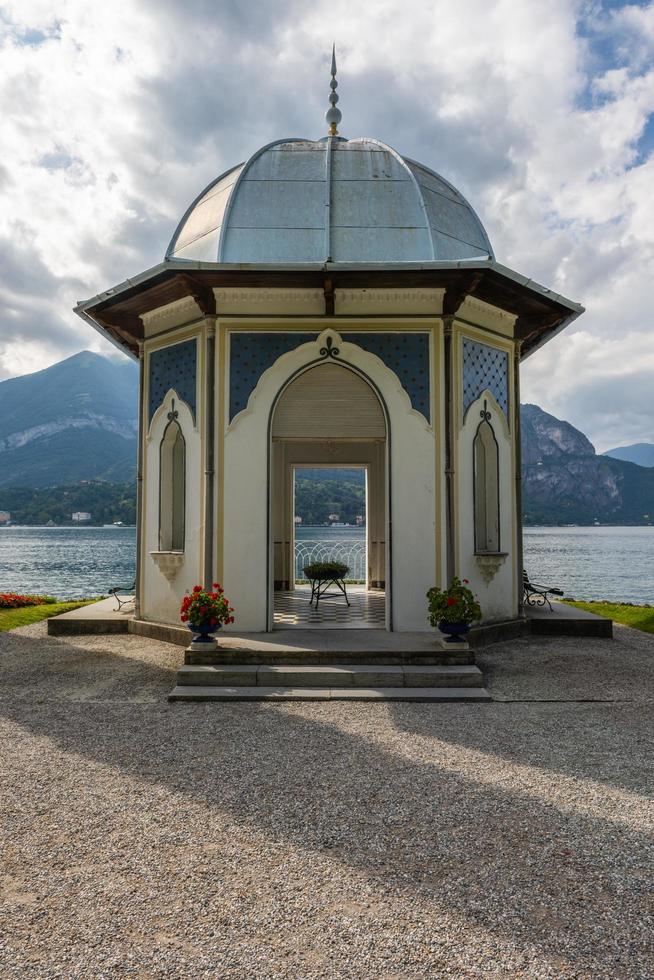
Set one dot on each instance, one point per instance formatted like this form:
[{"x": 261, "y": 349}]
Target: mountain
[
  {"x": 320, "y": 492},
  {"x": 641, "y": 453},
  {"x": 76, "y": 420},
  {"x": 565, "y": 482},
  {"x": 355, "y": 475},
  {"x": 548, "y": 439}
]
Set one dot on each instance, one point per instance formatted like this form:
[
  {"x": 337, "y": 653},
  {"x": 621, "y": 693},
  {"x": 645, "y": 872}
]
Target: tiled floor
[{"x": 366, "y": 609}]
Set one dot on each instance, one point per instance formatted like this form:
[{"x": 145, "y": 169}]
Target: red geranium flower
[
  {"x": 451, "y": 601},
  {"x": 204, "y": 608}
]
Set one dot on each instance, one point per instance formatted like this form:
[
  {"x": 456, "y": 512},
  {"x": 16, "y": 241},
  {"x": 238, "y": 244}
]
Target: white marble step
[
  {"x": 216, "y": 693},
  {"x": 329, "y": 676}
]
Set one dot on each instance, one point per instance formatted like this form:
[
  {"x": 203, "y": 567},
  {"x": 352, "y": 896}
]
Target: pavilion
[{"x": 329, "y": 302}]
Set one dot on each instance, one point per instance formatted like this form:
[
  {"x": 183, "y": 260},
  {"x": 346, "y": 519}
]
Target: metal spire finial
[{"x": 333, "y": 115}]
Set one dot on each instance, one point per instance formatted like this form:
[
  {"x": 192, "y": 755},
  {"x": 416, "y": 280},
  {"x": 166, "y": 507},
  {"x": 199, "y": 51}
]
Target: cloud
[{"x": 114, "y": 116}]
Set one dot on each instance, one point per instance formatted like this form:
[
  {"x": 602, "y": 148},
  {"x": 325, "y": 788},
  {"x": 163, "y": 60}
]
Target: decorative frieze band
[
  {"x": 174, "y": 314},
  {"x": 402, "y": 302},
  {"x": 272, "y": 301},
  {"x": 487, "y": 315}
]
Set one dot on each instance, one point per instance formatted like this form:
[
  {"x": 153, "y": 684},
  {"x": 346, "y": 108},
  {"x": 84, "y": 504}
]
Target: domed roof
[{"x": 331, "y": 200}]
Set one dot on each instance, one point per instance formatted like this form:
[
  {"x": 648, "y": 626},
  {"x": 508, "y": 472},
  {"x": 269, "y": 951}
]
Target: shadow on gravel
[
  {"x": 54, "y": 668},
  {"x": 572, "y": 668},
  {"x": 554, "y": 681},
  {"x": 600, "y": 742},
  {"x": 529, "y": 869}
]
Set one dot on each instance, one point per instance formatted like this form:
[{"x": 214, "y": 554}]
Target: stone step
[
  {"x": 217, "y": 693},
  {"x": 329, "y": 676},
  {"x": 567, "y": 621},
  {"x": 438, "y": 657}
]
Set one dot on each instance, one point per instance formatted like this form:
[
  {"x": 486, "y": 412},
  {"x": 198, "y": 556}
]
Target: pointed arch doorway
[{"x": 329, "y": 416}]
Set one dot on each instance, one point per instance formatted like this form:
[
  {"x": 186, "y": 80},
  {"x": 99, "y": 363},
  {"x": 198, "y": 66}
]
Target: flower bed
[
  {"x": 11, "y": 619},
  {"x": 11, "y": 600}
]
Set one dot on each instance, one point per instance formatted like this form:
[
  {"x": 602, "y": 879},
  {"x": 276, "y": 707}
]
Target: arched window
[
  {"x": 172, "y": 486},
  {"x": 486, "y": 482}
]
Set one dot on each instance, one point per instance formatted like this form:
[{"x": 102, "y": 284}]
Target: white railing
[{"x": 351, "y": 553}]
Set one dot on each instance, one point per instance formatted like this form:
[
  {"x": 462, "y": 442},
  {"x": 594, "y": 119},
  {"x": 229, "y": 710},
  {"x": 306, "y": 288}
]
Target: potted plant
[
  {"x": 453, "y": 609},
  {"x": 205, "y": 612},
  {"x": 326, "y": 570}
]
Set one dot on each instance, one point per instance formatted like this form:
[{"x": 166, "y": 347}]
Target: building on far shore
[
  {"x": 329, "y": 302},
  {"x": 5, "y": 517},
  {"x": 80, "y": 516}
]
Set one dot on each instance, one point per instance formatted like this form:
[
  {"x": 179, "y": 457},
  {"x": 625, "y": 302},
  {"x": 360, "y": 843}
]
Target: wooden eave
[{"x": 539, "y": 315}]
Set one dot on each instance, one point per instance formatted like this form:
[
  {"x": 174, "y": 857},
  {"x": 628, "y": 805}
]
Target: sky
[{"x": 113, "y": 116}]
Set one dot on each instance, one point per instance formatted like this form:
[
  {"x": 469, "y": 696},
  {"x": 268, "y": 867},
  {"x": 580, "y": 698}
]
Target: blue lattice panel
[
  {"x": 173, "y": 367},
  {"x": 485, "y": 367}
]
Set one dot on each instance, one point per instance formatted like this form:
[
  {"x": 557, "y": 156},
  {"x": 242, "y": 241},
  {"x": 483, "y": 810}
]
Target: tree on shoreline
[{"x": 106, "y": 502}]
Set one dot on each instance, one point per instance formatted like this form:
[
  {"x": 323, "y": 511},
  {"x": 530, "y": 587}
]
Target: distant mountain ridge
[
  {"x": 565, "y": 482},
  {"x": 76, "y": 420},
  {"x": 641, "y": 453},
  {"x": 548, "y": 439}
]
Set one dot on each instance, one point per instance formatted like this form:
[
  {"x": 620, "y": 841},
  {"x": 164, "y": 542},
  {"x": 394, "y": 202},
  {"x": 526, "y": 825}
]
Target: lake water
[
  {"x": 586, "y": 562},
  {"x": 615, "y": 563},
  {"x": 346, "y": 544},
  {"x": 67, "y": 562}
]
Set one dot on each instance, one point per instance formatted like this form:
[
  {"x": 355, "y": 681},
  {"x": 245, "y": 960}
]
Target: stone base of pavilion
[
  {"x": 330, "y": 664},
  {"x": 566, "y": 621},
  {"x": 103, "y": 617},
  {"x": 411, "y": 667},
  {"x": 98, "y": 617}
]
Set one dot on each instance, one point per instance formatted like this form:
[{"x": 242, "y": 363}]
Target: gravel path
[{"x": 142, "y": 839}]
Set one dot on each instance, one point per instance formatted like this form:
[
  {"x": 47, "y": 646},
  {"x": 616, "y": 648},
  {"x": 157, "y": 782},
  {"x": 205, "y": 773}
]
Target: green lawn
[
  {"x": 12, "y": 618},
  {"x": 639, "y": 617}
]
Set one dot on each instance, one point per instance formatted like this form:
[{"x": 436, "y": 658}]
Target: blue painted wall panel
[
  {"x": 407, "y": 354},
  {"x": 250, "y": 355},
  {"x": 173, "y": 367}
]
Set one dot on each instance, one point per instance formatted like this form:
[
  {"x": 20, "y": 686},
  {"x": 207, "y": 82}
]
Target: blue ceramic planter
[
  {"x": 203, "y": 634},
  {"x": 456, "y": 631}
]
